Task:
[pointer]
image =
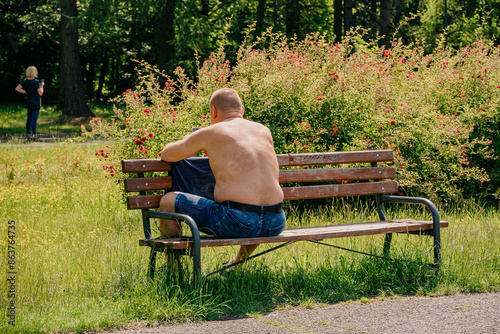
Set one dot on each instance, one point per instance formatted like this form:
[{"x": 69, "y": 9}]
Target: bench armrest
[
  {"x": 435, "y": 216},
  {"x": 196, "y": 251}
]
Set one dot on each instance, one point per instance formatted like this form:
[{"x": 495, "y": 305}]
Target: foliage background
[{"x": 437, "y": 111}]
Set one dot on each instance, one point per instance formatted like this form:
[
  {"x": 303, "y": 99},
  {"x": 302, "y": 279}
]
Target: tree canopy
[{"x": 171, "y": 33}]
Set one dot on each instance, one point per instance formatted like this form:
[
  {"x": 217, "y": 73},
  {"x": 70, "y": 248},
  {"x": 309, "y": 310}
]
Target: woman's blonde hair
[{"x": 31, "y": 72}]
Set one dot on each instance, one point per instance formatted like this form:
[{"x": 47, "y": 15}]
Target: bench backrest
[{"x": 335, "y": 182}]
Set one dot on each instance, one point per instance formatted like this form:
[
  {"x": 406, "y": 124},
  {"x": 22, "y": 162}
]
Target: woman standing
[{"x": 34, "y": 91}]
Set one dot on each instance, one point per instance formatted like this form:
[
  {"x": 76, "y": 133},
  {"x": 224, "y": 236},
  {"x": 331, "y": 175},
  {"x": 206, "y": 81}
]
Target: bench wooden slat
[
  {"x": 331, "y": 158},
  {"x": 339, "y": 190},
  {"x": 303, "y": 159},
  {"x": 145, "y": 165},
  {"x": 293, "y": 193},
  {"x": 302, "y": 234},
  {"x": 332, "y": 174},
  {"x": 148, "y": 183},
  {"x": 143, "y": 202}
]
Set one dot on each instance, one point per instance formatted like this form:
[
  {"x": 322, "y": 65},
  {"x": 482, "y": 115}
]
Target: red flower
[
  {"x": 144, "y": 138},
  {"x": 304, "y": 147},
  {"x": 127, "y": 123},
  {"x": 393, "y": 122},
  {"x": 151, "y": 135},
  {"x": 320, "y": 98}
]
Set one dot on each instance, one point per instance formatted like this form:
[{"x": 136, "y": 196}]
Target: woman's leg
[
  {"x": 34, "y": 119},
  {"x": 28, "y": 123}
]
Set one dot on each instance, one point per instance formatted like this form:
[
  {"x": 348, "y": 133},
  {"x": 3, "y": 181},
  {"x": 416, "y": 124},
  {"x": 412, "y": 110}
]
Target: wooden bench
[{"x": 298, "y": 179}]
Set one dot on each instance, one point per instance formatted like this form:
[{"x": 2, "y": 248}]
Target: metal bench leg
[
  {"x": 152, "y": 263},
  {"x": 387, "y": 244}
]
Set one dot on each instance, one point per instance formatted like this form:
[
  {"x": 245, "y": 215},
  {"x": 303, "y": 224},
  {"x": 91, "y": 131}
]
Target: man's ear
[
  {"x": 214, "y": 112},
  {"x": 242, "y": 110}
]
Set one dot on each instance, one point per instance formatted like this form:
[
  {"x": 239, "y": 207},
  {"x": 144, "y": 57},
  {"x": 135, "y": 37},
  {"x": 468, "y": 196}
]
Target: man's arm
[{"x": 186, "y": 147}]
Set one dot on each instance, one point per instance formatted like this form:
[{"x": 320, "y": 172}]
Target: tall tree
[
  {"x": 166, "y": 32},
  {"x": 385, "y": 22},
  {"x": 261, "y": 10},
  {"x": 348, "y": 20},
  {"x": 71, "y": 91},
  {"x": 293, "y": 18},
  {"x": 337, "y": 20}
]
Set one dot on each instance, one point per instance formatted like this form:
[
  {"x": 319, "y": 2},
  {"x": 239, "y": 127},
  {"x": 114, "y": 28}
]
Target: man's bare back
[
  {"x": 242, "y": 158},
  {"x": 243, "y": 161}
]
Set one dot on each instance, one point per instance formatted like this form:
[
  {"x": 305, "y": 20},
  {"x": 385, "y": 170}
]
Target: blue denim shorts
[{"x": 218, "y": 220}]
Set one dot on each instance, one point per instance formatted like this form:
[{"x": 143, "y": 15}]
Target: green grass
[
  {"x": 13, "y": 120},
  {"x": 80, "y": 267}
]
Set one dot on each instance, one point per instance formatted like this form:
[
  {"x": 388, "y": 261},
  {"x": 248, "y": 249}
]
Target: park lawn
[
  {"x": 79, "y": 267},
  {"x": 50, "y": 121}
]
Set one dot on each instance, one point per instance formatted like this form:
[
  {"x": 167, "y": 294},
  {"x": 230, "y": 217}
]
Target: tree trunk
[
  {"x": 261, "y": 10},
  {"x": 373, "y": 24},
  {"x": 90, "y": 75},
  {"x": 166, "y": 34},
  {"x": 385, "y": 23},
  {"x": 102, "y": 76},
  {"x": 71, "y": 91},
  {"x": 348, "y": 20},
  {"x": 205, "y": 7},
  {"x": 337, "y": 20},
  {"x": 293, "y": 18}
]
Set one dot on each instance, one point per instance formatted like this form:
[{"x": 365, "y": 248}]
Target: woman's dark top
[{"x": 33, "y": 99}]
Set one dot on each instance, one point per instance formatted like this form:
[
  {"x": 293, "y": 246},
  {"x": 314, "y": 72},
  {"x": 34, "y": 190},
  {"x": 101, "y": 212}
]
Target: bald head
[{"x": 226, "y": 100}]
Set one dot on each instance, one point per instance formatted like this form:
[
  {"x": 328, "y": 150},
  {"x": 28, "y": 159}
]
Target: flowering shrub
[{"x": 439, "y": 112}]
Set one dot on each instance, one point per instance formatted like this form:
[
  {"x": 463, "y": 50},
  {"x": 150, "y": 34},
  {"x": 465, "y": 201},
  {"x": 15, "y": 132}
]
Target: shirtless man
[{"x": 248, "y": 197}]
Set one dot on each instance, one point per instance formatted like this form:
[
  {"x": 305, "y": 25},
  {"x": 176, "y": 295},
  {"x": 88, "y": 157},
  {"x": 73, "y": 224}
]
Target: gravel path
[{"x": 467, "y": 313}]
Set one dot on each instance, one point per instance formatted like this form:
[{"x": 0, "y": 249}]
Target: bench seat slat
[
  {"x": 302, "y": 234},
  {"x": 332, "y": 174},
  {"x": 303, "y": 159},
  {"x": 330, "y": 158},
  {"x": 145, "y": 165},
  {"x": 148, "y": 183},
  {"x": 143, "y": 202},
  {"x": 339, "y": 190},
  {"x": 293, "y": 193}
]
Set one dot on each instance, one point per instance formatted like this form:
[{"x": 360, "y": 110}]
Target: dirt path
[{"x": 467, "y": 313}]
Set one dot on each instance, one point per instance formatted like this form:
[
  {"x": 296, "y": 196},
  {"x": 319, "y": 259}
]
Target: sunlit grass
[
  {"x": 13, "y": 120},
  {"x": 80, "y": 266}
]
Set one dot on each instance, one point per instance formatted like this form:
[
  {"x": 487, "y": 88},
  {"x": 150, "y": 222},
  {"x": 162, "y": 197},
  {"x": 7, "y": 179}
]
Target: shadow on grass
[{"x": 259, "y": 288}]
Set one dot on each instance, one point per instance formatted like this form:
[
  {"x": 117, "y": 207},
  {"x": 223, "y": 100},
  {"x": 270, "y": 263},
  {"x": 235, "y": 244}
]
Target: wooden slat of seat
[
  {"x": 143, "y": 202},
  {"x": 293, "y": 193},
  {"x": 145, "y": 165},
  {"x": 332, "y": 174},
  {"x": 339, "y": 190},
  {"x": 331, "y": 158},
  {"x": 302, "y": 159},
  {"x": 302, "y": 234},
  {"x": 148, "y": 183}
]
